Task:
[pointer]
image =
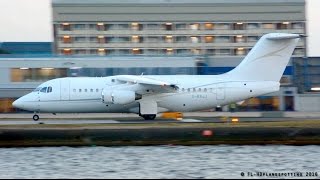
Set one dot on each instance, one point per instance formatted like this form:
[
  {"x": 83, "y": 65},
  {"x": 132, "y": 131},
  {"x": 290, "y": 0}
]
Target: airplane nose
[{"x": 17, "y": 104}]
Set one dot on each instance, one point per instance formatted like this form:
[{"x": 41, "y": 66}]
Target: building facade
[{"x": 172, "y": 27}]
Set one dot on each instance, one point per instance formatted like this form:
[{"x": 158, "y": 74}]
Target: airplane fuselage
[{"x": 84, "y": 94}]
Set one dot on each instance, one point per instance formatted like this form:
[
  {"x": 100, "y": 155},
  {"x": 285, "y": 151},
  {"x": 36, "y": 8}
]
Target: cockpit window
[
  {"x": 37, "y": 89},
  {"x": 44, "y": 89},
  {"x": 49, "y": 90}
]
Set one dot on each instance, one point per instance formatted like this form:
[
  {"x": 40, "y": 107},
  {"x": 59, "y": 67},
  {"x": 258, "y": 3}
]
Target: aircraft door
[
  {"x": 64, "y": 89},
  {"x": 221, "y": 92},
  {"x": 38, "y": 101}
]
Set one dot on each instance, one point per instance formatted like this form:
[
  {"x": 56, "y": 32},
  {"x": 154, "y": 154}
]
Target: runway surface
[{"x": 142, "y": 121}]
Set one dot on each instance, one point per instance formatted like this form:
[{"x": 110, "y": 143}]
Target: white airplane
[{"x": 258, "y": 74}]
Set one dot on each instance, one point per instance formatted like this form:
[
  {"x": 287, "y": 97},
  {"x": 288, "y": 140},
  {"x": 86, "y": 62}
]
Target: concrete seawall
[
  {"x": 288, "y": 130},
  {"x": 122, "y": 136}
]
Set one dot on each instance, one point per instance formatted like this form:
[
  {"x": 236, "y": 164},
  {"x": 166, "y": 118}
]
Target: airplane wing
[{"x": 154, "y": 84}]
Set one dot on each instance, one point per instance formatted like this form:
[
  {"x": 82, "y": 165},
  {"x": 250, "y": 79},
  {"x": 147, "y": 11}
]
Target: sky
[{"x": 30, "y": 21}]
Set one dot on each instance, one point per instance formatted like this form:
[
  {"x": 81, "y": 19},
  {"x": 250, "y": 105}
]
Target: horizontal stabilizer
[{"x": 279, "y": 36}]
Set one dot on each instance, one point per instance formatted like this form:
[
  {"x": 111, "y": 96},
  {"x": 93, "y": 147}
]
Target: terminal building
[
  {"x": 172, "y": 27},
  {"x": 108, "y": 37}
]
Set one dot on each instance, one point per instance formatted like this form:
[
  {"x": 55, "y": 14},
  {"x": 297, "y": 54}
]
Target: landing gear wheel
[
  {"x": 149, "y": 116},
  {"x": 35, "y": 117}
]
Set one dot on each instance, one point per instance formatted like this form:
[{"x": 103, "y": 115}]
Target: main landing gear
[
  {"x": 149, "y": 116},
  {"x": 35, "y": 117}
]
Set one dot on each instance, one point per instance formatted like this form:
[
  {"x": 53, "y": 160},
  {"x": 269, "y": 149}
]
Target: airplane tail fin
[{"x": 268, "y": 58}]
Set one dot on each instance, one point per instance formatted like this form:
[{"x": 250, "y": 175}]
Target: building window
[
  {"x": 239, "y": 26},
  {"x": 208, "y": 26},
  {"x": 195, "y": 51},
  {"x": 208, "y": 39},
  {"x": 222, "y": 39},
  {"x": 152, "y": 39},
  {"x": 268, "y": 26},
  {"x": 101, "y": 39},
  {"x": 182, "y": 51},
  {"x": 252, "y": 38},
  {"x": 181, "y": 39},
  {"x": 211, "y": 51},
  {"x": 240, "y": 51},
  {"x": 298, "y": 25},
  {"x": 135, "y": 39},
  {"x": 101, "y": 27},
  {"x": 283, "y": 25},
  {"x": 168, "y": 39},
  {"x": 169, "y": 51},
  {"x": 253, "y": 26},
  {"x": 152, "y": 26},
  {"x": 239, "y": 39},
  {"x": 168, "y": 26},
  {"x": 101, "y": 52},
  {"x": 80, "y": 39},
  {"x": 136, "y": 51},
  {"x": 80, "y": 51},
  {"x": 124, "y": 51},
  {"x": 123, "y": 26},
  {"x": 194, "y": 26},
  {"x": 195, "y": 39},
  {"x": 66, "y": 27},
  {"x": 181, "y": 26},
  {"x": 66, "y": 51},
  {"x": 225, "y": 52},
  {"x": 79, "y": 26},
  {"x": 123, "y": 39},
  {"x": 66, "y": 39},
  {"x": 136, "y": 26},
  {"x": 222, "y": 26}
]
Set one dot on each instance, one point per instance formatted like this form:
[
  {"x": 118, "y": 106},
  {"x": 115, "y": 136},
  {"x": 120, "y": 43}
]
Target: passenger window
[
  {"x": 188, "y": 89},
  {"x": 91, "y": 90},
  {"x": 194, "y": 89},
  {"x": 182, "y": 89},
  {"x": 44, "y": 90},
  {"x": 205, "y": 89},
  {"x": 199, "y": 89},
  {"x": 85, "y": 90},
  {"x": 79, "y": 90},
  {"x": 49, "y": 90},
  {"x": 74, "y": 90},
  {"x": 97, "y": 90}
]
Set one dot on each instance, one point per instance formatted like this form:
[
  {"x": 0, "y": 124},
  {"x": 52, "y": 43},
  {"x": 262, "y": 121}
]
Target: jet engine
[{"x": 119, "y": 96}]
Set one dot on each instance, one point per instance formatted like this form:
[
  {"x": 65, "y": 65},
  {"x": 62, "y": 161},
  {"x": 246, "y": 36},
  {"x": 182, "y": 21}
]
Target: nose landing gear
[{"x": 35, "y": 117}]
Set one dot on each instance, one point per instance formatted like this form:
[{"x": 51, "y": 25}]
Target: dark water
[{"x": 160, "y": 162}]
